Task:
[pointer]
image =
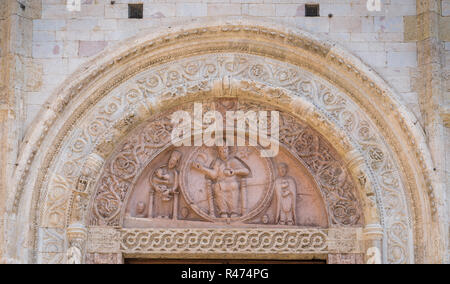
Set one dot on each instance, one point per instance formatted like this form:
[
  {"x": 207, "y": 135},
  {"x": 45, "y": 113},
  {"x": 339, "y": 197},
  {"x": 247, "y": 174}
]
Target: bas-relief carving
[
  {"x": 336, "y": 107},
  {"x": 249, "y": 241},
  {"x": 286, "y": 195},
  {"x": 345, "y": 258},
  {"x": 74, "y": 253},
  {"x": 236, "y": 185},
  {"x": 51, "y": 245},
  {"x": 256, "y": 241},
  {"x": 164, "y": 185},
  {"x": 226, "y": 184}
]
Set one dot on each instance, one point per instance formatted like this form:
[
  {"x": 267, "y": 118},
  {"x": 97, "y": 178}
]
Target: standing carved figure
[
  {"x": 74, "y": 255},
  {"x": 140, "y": 210},
  {"x": 226, "y": 174},
  {"x": 165, "y": 183},
  {"x": 286, "y": 194}
]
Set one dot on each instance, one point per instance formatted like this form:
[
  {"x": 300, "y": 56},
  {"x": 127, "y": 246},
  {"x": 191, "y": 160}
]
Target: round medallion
[{"x": 227, "y": 184}]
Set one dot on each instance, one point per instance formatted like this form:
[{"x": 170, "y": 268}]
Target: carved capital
[
  {"x": 93, "y": 165},
  {"x": 373, "y": 232},
  {"x": 103, "y": 240},
  {"x": 104, "y": 258}
]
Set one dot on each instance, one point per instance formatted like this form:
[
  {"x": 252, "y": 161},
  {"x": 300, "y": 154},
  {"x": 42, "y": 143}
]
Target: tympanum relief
[
  {"x": 225, "y": 185},
  {"x": 150, "y": 183}
]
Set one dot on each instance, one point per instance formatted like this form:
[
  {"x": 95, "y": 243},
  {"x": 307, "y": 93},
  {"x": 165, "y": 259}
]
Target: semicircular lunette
[{"x": 150, "y": 185}]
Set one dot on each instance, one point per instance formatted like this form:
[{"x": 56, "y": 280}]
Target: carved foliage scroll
[
  {"x": 252, "y": 241},
  {"x": 126, "y": 164},
  {"x": 335, "y": 183}
]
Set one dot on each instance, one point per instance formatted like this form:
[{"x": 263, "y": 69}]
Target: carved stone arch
[{"x": 408, "y": 196}]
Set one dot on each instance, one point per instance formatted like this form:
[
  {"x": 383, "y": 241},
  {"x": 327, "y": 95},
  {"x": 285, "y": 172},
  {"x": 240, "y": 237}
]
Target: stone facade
[
  {"x": 76, "y": 87},
  {"x": 63, "y": 40}
]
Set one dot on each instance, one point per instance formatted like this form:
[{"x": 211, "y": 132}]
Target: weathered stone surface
[
  {"x": 401, "y": 182},
  {"x": 345, "y": 259},
  {"x": 89, "y": 48},
  {"x": 444, "y": 29}
]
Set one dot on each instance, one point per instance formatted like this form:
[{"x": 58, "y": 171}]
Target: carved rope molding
[
  {"x": 65, "y": 96},
  {"x": 364, "y": 129},
  {"x": 242, "y": 241}
]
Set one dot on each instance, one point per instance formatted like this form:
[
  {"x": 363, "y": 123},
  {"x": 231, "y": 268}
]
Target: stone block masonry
[{"x": 71, "y": 38}]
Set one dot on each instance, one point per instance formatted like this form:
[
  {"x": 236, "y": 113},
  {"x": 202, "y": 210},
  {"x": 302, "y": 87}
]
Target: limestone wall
[
  {"x": 445, "y": 33},
  {"x": 2, "y": 121},
  {"x": 17, "y": 78},
  {"x": 63, "y": 40}
]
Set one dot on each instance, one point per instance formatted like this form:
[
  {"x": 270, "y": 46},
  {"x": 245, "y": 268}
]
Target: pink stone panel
[{"x": 90, "y": 48}]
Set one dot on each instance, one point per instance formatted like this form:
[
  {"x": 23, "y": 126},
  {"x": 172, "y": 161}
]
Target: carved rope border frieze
[{"x": 241, "y": 241}]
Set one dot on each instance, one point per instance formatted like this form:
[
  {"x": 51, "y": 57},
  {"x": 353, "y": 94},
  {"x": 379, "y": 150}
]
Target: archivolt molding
[
  {"x": 317, "y": 102},
  {"x": 89, "y": 85}
]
